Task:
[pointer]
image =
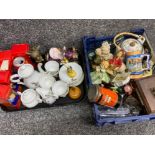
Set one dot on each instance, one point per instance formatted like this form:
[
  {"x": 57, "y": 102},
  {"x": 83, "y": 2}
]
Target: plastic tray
[
  {"x": 90, "y": 44},
  {"x": 61, "y": 101}
]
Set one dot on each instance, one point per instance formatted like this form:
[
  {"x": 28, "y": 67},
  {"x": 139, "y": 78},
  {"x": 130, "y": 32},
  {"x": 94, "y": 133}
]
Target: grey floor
[{"x": 72, "y": 119}]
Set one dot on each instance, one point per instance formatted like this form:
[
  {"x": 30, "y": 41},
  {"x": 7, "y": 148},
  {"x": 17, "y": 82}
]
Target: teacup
[
  {"x": 30, "y": 98},
  {"x": 52, "y": 67},
  {"x": 18, "y": 61},
  {"x": 60, "y": 88}
]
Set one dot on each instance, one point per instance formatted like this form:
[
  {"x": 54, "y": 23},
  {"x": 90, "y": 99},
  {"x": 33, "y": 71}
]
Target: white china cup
[
  {"x": 52, "y": 67},
  {"x": 18, "y": 61},
  {"x": 30, "y": 98}
]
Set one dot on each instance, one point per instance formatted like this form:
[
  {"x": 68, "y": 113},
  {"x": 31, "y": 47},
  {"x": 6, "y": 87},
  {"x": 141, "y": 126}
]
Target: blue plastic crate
[{"x": 90, "y": 44}]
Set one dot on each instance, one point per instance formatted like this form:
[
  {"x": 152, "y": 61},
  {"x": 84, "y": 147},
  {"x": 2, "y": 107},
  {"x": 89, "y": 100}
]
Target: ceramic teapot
[
  {"x": 51, "y": 67},
  {"x": 130, "y": 46},
  {"x": 47, "y": 95},
  {"x": 30, "y": 98},
  {"x": 46, "y": 81},
  {"x": 71, "y": 73},
  {"x": 134, "y": 54},
  {"x": 28, "y": 74}
]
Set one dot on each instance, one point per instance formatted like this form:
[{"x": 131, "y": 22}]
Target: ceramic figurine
[
  {"x": 99, "y": 76},
  {"x": 104, "y": 51},
  {"x": 128, "y": 89},
  {"x": 55, "y": 54},
  {"x": 64, "y": 61},
  {"x": 71, "y": 54},
  {"x": 97, "y": 60},
  {"x": 121, "y": 79},
  {"x": 35, "y": 54}
]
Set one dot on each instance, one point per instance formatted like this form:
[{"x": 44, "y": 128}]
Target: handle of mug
[
  {"x": 12, "y": 78},
  {"x": 17, "y": 79},
  {"x": 19, "y": 93},
  {"x": 39, "y": 100},
  {"x": 147, "y": 61}
]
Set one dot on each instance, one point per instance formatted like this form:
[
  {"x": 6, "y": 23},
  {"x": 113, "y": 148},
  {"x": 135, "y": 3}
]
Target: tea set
[
  {"x": 49, "y": 80},
  {"x": 114, "y": 67}
]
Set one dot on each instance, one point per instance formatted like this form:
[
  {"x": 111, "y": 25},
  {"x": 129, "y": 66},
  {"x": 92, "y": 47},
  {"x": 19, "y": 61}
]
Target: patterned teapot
[{"x": 134, "y": 54}]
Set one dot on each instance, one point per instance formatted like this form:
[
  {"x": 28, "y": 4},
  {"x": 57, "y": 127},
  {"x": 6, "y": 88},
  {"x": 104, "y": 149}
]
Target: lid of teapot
[{"x": 25, "y": 70}]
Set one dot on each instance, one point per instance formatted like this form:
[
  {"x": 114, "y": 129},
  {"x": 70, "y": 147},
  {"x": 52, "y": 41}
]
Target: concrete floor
[{"x": 72, "y": 119}]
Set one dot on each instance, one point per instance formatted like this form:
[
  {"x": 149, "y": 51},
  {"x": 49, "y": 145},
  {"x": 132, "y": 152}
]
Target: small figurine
[
  {"x": 104, "y": 51},
  {"x": 35, "y": 54},
  {"x": 116, "y": 63},
  {"x": 70, "y": 54},
  {"x": 128, "y": 89},
  {"x": 121, "y": 79},
  {"x": 70, "y": 72},
  {"x": 99, "y": 75},
  {"x": 55, "y": 54}
]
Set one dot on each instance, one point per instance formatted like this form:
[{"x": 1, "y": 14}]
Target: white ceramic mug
[
  {"x": 51, "y": 67},
  {"x": 60, "y": 88},
  {"x": 30, "y": 98}
]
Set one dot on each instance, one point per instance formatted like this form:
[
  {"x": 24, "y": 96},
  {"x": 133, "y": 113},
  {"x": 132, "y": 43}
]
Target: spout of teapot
[{"x": 40, "y": 68}]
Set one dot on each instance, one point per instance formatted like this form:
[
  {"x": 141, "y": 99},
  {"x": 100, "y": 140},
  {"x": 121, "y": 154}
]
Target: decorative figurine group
[{"x": 114, "y": 65}]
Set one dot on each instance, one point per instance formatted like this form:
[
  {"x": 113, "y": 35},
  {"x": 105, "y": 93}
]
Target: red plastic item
[
  {"x": 6, "y": 55},
  {"x": 5, "y": 71},
  {"x": 20, "y": 50},
  {"x": 5, "y": 77},
  {"x": 5, "y": 91}
]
